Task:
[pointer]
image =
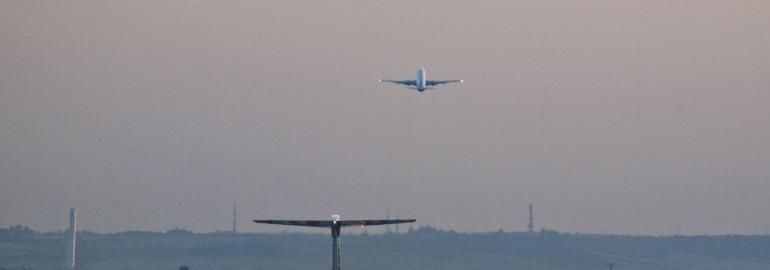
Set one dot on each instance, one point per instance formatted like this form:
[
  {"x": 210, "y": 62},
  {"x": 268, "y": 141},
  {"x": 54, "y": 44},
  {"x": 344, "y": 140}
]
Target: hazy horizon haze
[{"x": 611, "y": 117}]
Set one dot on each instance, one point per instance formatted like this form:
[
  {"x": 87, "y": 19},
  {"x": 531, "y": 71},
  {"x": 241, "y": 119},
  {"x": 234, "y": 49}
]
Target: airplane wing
[
  {"x": 374, "y": 222},
  {"x": 328, "y": 223},
  {"x": 306, "y": 223},
  {"x": 405, "y": 82},
  {"x": 431, "y": 82}
]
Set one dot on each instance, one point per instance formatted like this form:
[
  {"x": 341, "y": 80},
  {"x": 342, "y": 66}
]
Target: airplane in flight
[
  {"x": 335, "y": 224},
  {"x": 421, "y": 84}
]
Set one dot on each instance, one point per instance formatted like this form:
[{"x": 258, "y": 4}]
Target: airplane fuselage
[
  {"x": 420, "y": 79},
  {"x": 421, "y": 83}
]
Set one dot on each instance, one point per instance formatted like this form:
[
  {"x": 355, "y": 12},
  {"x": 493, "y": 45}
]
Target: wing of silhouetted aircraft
[
  {"x": 371, "y": 222},
  {"x": 431, "y": 83},
  {"x": 306, "y": 223},
  {"x": 328, "y": 223},
  {"x": 405, "y": 82}
]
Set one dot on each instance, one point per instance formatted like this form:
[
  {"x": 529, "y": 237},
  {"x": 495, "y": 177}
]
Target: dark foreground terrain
[{"x": 424, "y": 248}]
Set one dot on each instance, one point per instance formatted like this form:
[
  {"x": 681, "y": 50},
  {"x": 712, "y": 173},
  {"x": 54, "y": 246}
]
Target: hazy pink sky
[{"x": 642, "y": 117}]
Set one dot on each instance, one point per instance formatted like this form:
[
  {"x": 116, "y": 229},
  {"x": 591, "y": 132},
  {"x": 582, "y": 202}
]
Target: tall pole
[
  {"x": 72, "y": 240},
  {"x": 336, "y": 245},
  {"x": 234, "y": 217},
  {"x": 531, "y": 225},
  {"x": 336, "y": 253}
]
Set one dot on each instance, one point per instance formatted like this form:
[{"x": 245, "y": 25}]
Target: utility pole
[
  {"x": 531, "y": 225},
  {"x": 72, "y": 235},
  {"x": 234, "y": 209}
]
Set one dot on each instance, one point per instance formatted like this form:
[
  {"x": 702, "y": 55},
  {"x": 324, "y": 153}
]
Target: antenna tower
[
  {"x": 234, "y": 208},
  {"x": 531, "y": 225},
  {"x": 72, "y": 233}
]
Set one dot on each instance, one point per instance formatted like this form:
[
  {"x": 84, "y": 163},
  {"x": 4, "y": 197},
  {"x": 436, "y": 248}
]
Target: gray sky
[{"x": 642, "y": 117}]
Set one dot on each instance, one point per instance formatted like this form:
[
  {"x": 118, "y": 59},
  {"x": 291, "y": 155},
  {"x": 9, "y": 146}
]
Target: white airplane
[
  {"x": 335, "y": 224},
  {"x": 421, "y": 83}
]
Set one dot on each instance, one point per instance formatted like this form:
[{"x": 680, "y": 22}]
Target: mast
[
  {"x": 72, "y": 235},
  {"x": 531, "y": 225},
  {"x": 336, "y": 246},
  {"x": 234, "y": 217}
]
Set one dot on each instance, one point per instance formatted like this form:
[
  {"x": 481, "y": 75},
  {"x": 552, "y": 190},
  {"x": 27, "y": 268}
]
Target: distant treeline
[{"x": 423, "y": 248}]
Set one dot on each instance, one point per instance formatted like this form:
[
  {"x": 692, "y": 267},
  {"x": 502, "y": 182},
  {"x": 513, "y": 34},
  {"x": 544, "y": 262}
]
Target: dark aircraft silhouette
[{"x": 335, "y": 224}]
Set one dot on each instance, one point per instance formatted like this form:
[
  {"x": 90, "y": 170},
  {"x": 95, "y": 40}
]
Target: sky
[{"x": 622, "y": 117}]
